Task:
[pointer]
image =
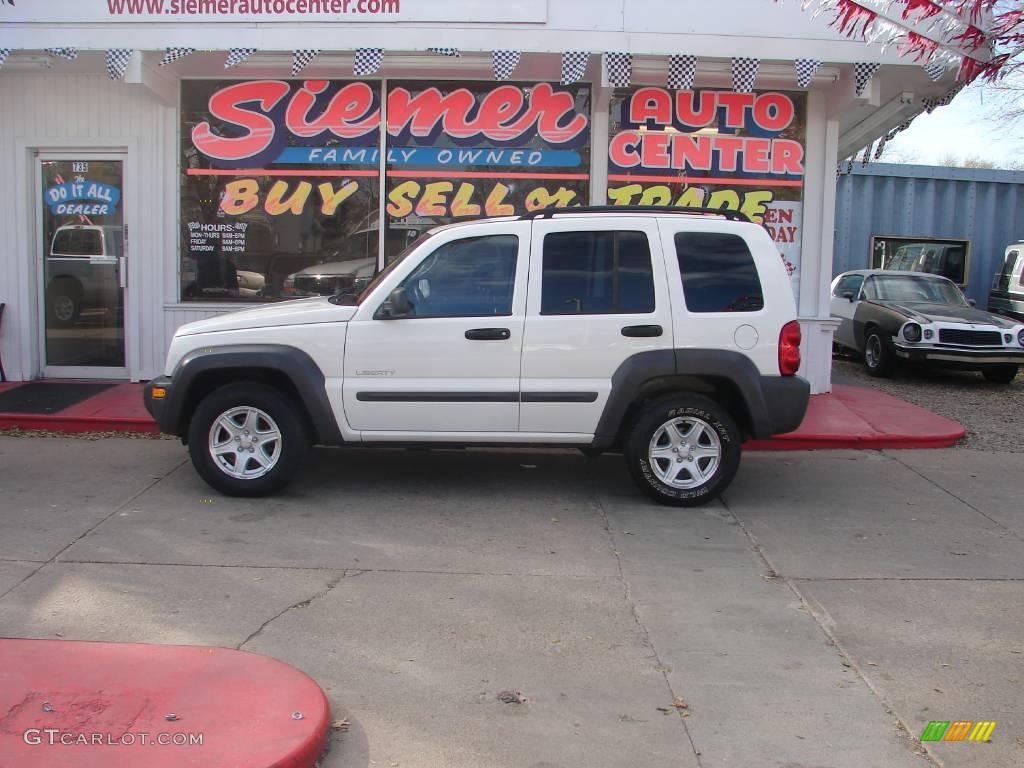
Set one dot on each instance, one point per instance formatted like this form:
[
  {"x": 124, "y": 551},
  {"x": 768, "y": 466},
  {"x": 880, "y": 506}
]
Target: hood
[
  {"x": 358, "y": 268},
  {"x": 299, "y": 312},
  {"x": 929, "y": 312}
]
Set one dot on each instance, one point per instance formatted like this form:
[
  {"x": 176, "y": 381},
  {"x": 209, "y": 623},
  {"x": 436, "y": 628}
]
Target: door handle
[
  {"x": 122, "y": 271},
  {"x": 488, "y": 334},
  {"x": 642, "y": 330}
]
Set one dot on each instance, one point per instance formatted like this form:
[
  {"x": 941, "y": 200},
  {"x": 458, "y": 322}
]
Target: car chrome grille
[{"x": 970, "y": 338}]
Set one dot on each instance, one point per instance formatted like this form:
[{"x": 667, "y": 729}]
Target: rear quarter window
[{"x": 718, "y": 273}]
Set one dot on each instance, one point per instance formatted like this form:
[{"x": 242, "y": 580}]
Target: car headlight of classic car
[
  {"x": 912, "y": 332},
  {"x": 1020, "y": 337}
]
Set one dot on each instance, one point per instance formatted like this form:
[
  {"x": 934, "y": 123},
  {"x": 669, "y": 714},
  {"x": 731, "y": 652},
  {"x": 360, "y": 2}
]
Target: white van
[{"x": 1007, "y": 295}]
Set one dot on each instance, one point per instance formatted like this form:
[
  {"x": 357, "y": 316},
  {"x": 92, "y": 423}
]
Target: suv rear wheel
[
  {"x": 684, "y": 450},
  {"x": 247, "y": 439}
]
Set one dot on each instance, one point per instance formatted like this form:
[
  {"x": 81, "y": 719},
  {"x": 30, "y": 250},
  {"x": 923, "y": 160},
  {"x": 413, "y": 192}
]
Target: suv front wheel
[
  {"x": 247, "y": 439},
  {"x": 684, "y": 450}
]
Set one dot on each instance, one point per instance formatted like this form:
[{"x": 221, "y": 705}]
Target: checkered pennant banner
[
  {"x": 849, "y": 166},
  {"x": 618, "y": 69},
  {"x": 4, "y": 53},
  {"x": 867, "y": 155},
  {"x": 744, "y": 73},
  {"x": 806, "y": 69},
  {"x": 63, "y": 53},
  {"x": 173, "y": 54},
  {"x": 368, "y": 61},
  {"x": 682, "y": 71},
  {"x": 930, "y": 105},
  {"x": 117, "y": 62},
  {"x": 574, "y": 66},
  {"x": 862, "y": 72},
  {"x": 454, "y": 52},
  {"x": 881, "y": 146},
  {"x": 301, "y": 58},
  {"x": 935, "y": 70},
  {"x": 237, "y": 55},
  {"x": 505, "y": 63}
]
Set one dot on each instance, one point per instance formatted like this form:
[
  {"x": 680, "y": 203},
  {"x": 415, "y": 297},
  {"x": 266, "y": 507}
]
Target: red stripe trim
[
  {"x": 443, "y": 174},
  {"x": 703, "y": 180},
  {"x": 266, "y": 172}
]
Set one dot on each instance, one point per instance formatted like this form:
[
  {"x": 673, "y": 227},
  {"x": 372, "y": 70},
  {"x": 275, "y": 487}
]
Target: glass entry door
[{"x": 82, "y": 265}]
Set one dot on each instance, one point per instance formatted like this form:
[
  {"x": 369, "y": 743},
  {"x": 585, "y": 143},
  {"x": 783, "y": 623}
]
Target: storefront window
[
  {"x": 279, "y": 188},
  {"x": 459, "y": 151},
  {"x": 717, "y": 149}
]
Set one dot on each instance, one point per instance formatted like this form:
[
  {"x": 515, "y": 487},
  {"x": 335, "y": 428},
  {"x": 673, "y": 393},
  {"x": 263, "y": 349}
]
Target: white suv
[{"x": 666, "y": 334}]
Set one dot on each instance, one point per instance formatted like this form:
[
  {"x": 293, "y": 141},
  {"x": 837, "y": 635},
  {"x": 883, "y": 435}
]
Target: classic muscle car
[{"x": 891, "y": 316}]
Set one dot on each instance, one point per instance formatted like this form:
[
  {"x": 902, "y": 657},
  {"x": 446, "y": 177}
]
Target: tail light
[{"x": 789, "y": 348}]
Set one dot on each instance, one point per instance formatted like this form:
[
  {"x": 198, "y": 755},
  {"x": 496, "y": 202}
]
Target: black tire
[
  {"x": 879, "y": 355},
  {"x": 281, "y": 410},
  {"x": 1000, "y": 374},
  {"x": 648, "y": 472},
  {"x": 63, "y": 302}
]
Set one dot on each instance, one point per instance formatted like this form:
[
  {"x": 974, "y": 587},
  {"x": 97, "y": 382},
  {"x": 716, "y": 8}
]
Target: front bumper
[
  {"x": 159, "y": 408},
  {"x": 937, "y": 353}
]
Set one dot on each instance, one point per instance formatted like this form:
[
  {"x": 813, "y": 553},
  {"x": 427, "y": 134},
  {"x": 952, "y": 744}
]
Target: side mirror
[
  {"x": 396, "y": 306},
  {"x": 848, "y": 295},
  {"x": 972, "y": 302}
]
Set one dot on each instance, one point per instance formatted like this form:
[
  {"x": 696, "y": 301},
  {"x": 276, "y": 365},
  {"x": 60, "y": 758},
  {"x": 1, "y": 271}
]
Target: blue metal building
[{"x": 910, "y": 202}]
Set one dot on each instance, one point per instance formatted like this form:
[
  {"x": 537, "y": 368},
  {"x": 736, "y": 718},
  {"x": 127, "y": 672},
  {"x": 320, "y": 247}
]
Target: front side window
[
  {"x": 849, "y": 284},
  {"x": 473, "y": 277},
  {"x": 719, "y": 274},
  {"x": 597, "y": 273}
]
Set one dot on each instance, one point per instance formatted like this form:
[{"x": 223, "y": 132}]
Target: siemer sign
[{"x": 205, "y": 11}]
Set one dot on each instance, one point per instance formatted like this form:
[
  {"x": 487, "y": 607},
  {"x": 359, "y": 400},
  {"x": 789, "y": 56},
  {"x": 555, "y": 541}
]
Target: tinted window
[
  {"x": 597, "y": 273},
  {"x": 473, "y": 277},
  {"x": 849, "y": 284},
  {"x": 718, "y": 273},
  {"x": 78, "y": 242}
]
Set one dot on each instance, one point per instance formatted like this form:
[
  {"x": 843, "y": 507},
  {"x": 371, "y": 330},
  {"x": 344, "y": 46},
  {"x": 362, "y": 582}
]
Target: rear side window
[
  {"x": 597, "y": 273},
  {"x": 718, "y": 273}
]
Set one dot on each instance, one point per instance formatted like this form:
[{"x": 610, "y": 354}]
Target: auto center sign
[{"x": 178, "y": 11}]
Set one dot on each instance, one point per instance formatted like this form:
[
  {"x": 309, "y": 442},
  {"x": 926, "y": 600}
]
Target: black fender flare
[
  {"x": 299, "y": 368},
  {"x": 638, "y": 371}
]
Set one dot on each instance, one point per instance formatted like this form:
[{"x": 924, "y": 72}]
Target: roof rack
[{"x": 548, "y": 213}]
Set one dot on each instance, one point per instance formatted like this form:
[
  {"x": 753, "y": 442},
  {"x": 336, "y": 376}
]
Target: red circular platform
[{"x": 70, "y": 704}]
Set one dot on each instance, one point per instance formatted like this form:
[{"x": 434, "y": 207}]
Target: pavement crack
[
  {"x": 154, "y": 481},
  {"x": 948, "y": 492},
  {"x": 627, "y": 596},
  {"x": 825, "y": 623},
  {"x": 294, "y": 606}
]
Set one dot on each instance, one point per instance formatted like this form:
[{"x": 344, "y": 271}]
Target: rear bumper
[
  {"x": 939, "y": 355},
  {"x": 160, "y": 409},
  {"x": 785, "y": 399}
]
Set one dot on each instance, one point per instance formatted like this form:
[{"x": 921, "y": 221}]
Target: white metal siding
[{"x": 49, "y": 111}]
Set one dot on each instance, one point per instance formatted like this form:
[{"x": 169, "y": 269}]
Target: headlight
[
  {"x": 1020, "y": 337},
  {"x": 1008, "y": 338},
  {"x": 912, "y": 332}
]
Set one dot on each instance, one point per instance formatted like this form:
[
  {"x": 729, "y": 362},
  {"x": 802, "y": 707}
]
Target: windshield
[
  {"x": 913, "y": 288},
  {"x": 352, "y": 298}
]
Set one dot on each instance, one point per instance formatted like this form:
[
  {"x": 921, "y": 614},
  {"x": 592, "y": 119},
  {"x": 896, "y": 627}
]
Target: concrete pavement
[{"x": 821, "y": 615}]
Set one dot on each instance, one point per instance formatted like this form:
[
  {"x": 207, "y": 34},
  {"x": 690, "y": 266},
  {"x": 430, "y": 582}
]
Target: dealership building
[{"x": 168, "y": 161}]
